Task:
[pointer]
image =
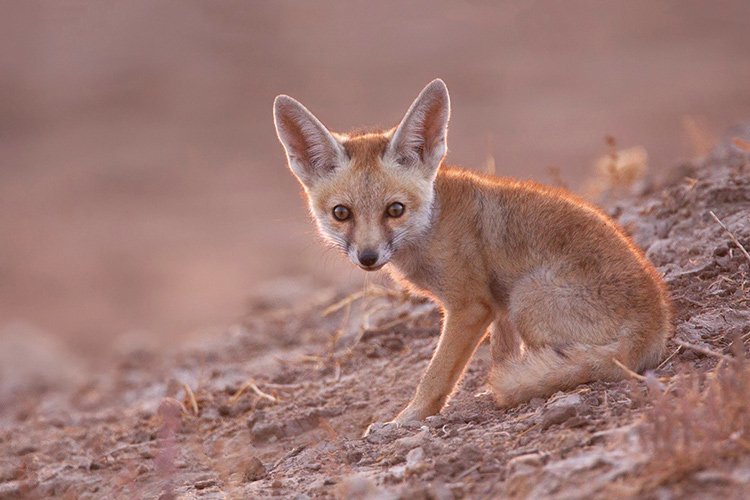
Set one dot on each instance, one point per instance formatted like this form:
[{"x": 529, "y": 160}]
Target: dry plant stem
[
  {"x": 284, "y": 387},
  {"x": 336, "y": 336},
  {"x": 629, "y": 371},
  {"x": 125, "y": 447},
  {"x": 663, "y": 363},
  {"x": 527, "y": 430},
  {"x": 731, "y": 235},
  {"x": 349, "y": 299},
  {"x": 191, "y": 399},
  {"x": 312, "y": 358},
  {"x": 250, "y": 384},
  {"x": 343, "y": 303},
  {"x": 703, "y": 350},
  {"x": 387, "y": 326},
  {"x": 741, "y": 144},
  {"x": 467, "y": 472},
  {"x": 337, "y": 371},
  {"x": 369, "y": 313}
]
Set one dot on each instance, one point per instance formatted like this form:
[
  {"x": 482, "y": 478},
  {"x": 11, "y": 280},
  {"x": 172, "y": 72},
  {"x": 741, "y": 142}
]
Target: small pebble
[{"x": 206, "y": 483}]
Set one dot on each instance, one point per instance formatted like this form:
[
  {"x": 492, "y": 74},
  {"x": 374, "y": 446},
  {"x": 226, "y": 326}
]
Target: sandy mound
[{"x": 277, "y": 406}]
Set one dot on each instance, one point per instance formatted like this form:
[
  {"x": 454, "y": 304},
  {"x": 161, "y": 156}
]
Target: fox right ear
[
  {"x": 312, "y": 151},
  {"x": 421, "y": 137}
]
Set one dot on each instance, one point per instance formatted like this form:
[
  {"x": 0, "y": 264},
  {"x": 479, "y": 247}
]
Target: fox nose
[{"x": 368, "y": 258}]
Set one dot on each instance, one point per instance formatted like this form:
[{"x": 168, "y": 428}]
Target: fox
[{"x": 561, "y": 290}]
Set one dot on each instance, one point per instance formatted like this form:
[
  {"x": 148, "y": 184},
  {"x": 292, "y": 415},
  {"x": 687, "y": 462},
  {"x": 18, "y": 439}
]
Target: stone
[
  {"x": 253, "y": 470},
  {"x": 415, "y": 459},
  {"x": 422, "y": 438},
  {"x": 380, "y": 433},
  {"x": 562, "y": 409}
]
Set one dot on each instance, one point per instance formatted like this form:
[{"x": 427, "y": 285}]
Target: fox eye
[
  {"x": 340, "y": 212},
  {"x": 395, "y": 210}
]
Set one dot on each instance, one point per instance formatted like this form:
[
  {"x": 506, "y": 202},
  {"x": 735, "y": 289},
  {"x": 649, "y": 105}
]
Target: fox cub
[{"x": 561, "y": 289}]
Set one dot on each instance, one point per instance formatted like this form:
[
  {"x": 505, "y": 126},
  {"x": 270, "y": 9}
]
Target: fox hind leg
[
  {"x": 504, "y": 340},
  {"x": 569, "y": 338}
]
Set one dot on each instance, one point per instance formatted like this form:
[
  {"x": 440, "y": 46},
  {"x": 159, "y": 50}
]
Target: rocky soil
[{"x": 277, "y": 405}]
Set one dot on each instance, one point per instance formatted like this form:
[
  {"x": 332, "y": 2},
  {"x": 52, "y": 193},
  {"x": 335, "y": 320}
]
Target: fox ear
[
  {"x": 421, "y": 137},
  {"x": 311, "y": 149}
]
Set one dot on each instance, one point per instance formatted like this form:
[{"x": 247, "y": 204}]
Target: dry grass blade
[
  {"x": 700, "y": 137},
  {"x": 343, "y": 303},
  {"x": 312, "y": 358},
  {"x": 627, "y": 370},
  {"x": 191, "y": 398},
  {"x": 489, "y": 165},
  {"x": 741, "y": 144},
  {"x": 126, "y": 446},
  {"x": 370, "y": 291},
  {"x": 250, "y": 384},
  {"x": 731, "y": 235},
  {"x": 467, "y": 472},
  {"x": 386, "y": 326},
  {"x": 705, "y": 420},
  {"x": 663, "y": 363}
]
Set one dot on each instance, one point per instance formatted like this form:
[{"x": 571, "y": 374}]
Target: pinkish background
[{"x": 142, "y": 189}]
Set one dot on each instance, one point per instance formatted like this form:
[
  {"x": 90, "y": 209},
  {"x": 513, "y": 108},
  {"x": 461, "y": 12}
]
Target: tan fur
[{"x": 560, "y": 287}]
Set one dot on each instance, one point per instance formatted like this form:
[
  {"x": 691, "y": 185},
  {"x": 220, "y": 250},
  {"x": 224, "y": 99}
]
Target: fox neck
[{"x": 410, "y": 256}]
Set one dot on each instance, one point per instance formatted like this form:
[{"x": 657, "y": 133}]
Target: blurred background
[{"x": 143, "y": 192}]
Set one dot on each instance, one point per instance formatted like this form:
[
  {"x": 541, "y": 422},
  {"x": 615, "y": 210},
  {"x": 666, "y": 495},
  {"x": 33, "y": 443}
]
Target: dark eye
[
  {"x": 395, "y": 210},
  {"x": 340, "y": 212}
]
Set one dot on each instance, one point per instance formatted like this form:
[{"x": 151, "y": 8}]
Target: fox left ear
[{"x": 421, "y": 137}]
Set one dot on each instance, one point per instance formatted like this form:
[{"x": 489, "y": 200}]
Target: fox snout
[
  {"x": 369, "y": 240},
  {"x": 369, "y": 258}
]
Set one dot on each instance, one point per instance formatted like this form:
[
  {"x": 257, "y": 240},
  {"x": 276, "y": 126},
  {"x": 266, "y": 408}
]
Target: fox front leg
[{"x": 464, "y": 327}]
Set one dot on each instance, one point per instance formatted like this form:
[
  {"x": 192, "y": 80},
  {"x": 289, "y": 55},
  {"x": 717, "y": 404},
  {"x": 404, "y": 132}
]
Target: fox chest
[{"x": 419, "y": 275}]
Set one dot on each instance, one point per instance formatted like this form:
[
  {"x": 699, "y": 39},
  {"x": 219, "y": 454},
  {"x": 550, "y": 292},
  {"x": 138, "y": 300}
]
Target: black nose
[{"x": 368, "y": 258}]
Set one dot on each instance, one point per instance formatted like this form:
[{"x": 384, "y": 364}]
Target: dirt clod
[{"x": 206, "y": 483}]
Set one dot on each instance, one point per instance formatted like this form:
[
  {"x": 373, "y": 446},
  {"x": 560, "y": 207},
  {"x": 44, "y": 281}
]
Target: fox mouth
[{"x": 372, "y": 268}]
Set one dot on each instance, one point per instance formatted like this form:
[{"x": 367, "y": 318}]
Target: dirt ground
[{"x": 277, "y": 404}]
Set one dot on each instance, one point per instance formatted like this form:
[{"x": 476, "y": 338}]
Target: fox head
[{"x": 370, "y": 194}]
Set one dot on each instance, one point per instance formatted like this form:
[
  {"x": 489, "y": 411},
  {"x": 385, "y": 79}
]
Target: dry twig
[
  {"x": 703, "y": 350},
  {"x": 629, "y": 371},
  {"x": 250, "y": 384},
  {"x": 343, "y": 303},
  {"x": 370, "y": 291},
  {"x": 741, "y": 144},
  {"x": 661, "y": 365},
  {"x": 731, "y": 235},
  {"x": 191, "y": 399}
]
